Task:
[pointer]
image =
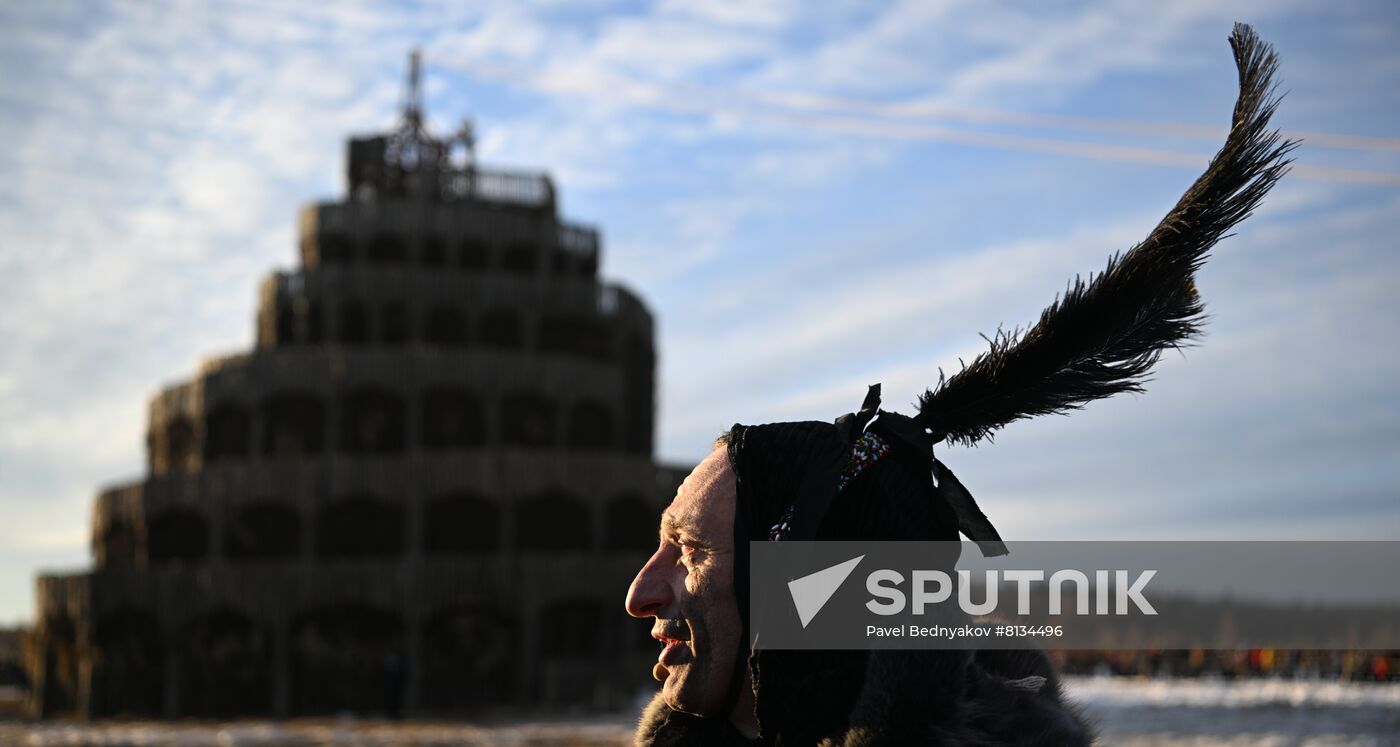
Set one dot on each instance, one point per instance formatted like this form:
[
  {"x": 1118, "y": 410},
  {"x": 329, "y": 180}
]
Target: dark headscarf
[
  {"x": 847, "y": 480},
  {"x": 869, "y": 475}
]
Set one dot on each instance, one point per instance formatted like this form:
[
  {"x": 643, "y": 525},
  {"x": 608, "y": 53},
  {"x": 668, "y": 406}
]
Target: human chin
[
  {"x": 690, "y": 688},
  {"x": 697, "y": 676}
]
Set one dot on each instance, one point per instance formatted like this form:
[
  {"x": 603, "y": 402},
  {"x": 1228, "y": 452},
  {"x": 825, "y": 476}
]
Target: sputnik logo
[{"x": 811, "y": 592}]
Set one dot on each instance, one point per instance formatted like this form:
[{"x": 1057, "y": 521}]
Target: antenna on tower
[{"x": 412, "y": 95}]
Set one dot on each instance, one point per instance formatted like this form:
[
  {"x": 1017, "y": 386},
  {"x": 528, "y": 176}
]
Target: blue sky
[{"x": 811, "y": 197}]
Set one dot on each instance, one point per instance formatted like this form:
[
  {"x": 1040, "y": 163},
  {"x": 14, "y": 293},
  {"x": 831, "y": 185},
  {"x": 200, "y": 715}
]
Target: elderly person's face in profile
[{"x": 688, "y": 586}]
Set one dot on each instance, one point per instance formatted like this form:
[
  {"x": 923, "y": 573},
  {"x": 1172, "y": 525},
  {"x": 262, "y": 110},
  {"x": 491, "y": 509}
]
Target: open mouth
[
  {"x": 674, "y": 648},
  {"x": 670, "y": 631}
]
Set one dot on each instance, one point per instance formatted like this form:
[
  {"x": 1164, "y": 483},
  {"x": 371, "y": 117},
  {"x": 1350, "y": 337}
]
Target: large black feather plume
[{"x": 1104, "y": 336}]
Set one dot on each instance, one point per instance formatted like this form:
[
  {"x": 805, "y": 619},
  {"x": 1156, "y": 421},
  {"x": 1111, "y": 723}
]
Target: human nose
[{"x": 650, "y": 593}]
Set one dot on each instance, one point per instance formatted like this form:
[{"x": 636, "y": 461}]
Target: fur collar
[{"x": 987, "y": 699}]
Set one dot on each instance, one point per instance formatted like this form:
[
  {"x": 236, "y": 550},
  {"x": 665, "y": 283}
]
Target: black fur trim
[{"x": 934, "y": 698}]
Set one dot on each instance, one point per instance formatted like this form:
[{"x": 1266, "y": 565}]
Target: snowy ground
[
  {"x": 606, "y": 732},
  {"x": 1131, "y": 713},
  {"x": 1255, "y": 713}
]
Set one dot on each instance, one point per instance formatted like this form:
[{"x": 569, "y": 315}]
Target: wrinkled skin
[{"x": 688, "y": 587}]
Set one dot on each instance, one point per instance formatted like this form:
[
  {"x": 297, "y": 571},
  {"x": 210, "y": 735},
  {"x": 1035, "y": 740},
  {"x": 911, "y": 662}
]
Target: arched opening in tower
[
  {"x": 360, "y": 527},
  {"x": 590, "y": 427},
  {"x": 521, "y": 257},
  {"x": 352, "y": 328},
  {"x": 117, "y": 546},
  {"x": 452, "y": 418},
  {"x": 396, "y": 328},
  {"x": 175, "y": 447},
  {"x": 447, "y": 326},
  {"x": 577, "y": 335},
  {"x": 348, "y": 658},
  {"x": 461, "y": 524},
  {"x": 502, "y": 328},
  {"x": 293, "y": 425},
  {"x": 128, "y": 665},
  {"x": 553, "y": 522},
  {"x": 386, "y": 248},
  {"x": 263, "y": 531},
  {"x": 59, "y": 636},
  {"x": 475, "y": 659},
  {"x": 177, "y": 535},
  {"x": 227, "y": 432},
  {"x": 630, "y": 524},
  {"x": 570, "y": 634},
  {"x": 529, "y": 420},
  {"x": 372, "y": 422},
  {"x": 224, "y": 666}
]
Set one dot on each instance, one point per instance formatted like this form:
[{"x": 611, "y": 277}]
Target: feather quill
[{"x": 1104, "y": 335}]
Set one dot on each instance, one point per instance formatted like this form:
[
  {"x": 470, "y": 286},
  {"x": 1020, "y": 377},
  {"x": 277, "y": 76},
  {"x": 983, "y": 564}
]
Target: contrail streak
[
  {"x": 849, "y": 116},
  {"x": 917, "y": 109}
]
